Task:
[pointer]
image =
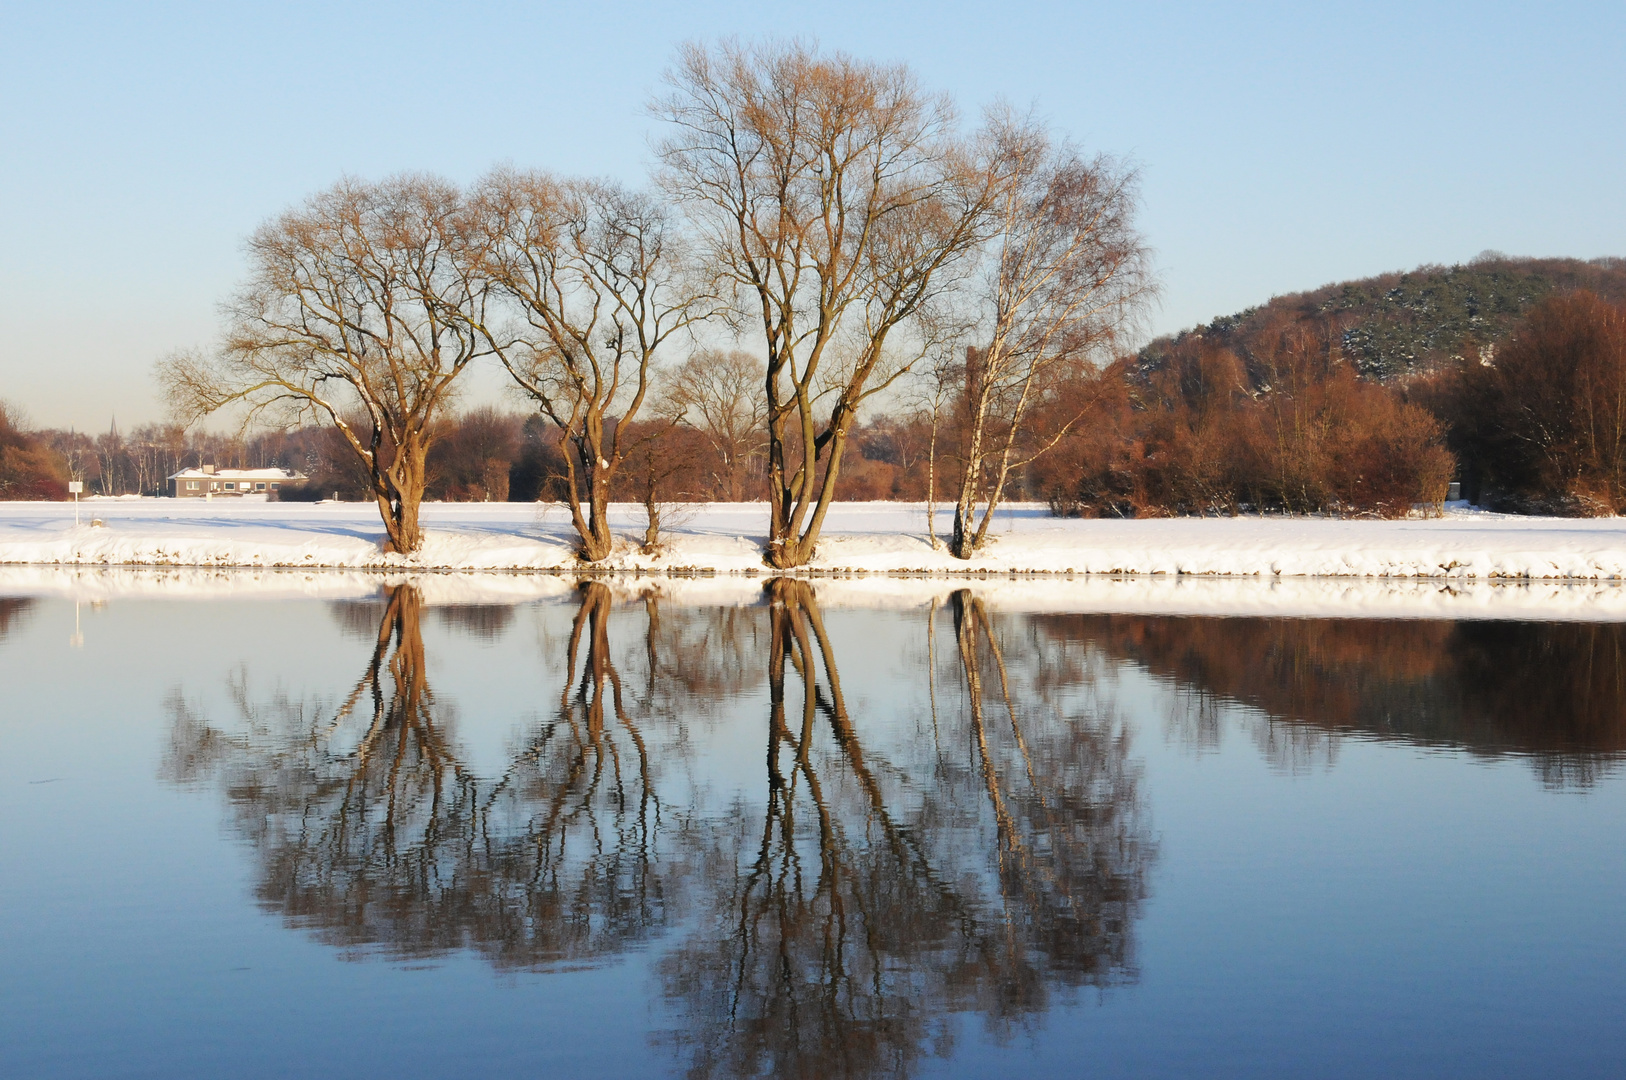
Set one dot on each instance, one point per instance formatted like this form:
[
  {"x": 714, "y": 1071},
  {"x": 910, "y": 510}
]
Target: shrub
[
  {"x": 28, "y": 469},
  {"x": 1541, "y": 422},
  {"x": 1289, "y": 427}
]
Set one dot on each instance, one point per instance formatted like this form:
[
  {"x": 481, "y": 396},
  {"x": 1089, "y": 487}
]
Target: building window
[
  {"x": 230, "y": 486},
  {"x": 259, "y": 487},
  {"x": 191, "y": 485},
  {"x": 274, "y": 487}
]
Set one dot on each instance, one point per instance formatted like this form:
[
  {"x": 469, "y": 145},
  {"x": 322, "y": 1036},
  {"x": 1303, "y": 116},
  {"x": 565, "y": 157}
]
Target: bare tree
[
  {"x": 931, "y": 398},
  {"x": 719, "y": 394},
  {"x": 156, "y": 451},
  {"x": 354, "y": 301},
  {"x": 831, "y": 195},
  {"x": 1066, "y": 269},
  {"x": 110, "y": 455},
  {"x": 596, "y": 273}
]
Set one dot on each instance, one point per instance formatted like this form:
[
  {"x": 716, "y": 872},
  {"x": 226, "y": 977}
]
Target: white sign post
[{"x": 76, "y": 486}]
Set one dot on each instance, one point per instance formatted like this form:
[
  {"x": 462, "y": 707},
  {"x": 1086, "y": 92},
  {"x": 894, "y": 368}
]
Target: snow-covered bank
[
  {"x": 1302, "y": 597},
  {"x": 885, "y": 538}
]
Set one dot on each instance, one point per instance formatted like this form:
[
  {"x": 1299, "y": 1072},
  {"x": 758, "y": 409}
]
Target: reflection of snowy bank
[
  {"x": 97, "y": 584},
  {"x": 861, "y": 537},
  {"x": 1274, "y": 597}
]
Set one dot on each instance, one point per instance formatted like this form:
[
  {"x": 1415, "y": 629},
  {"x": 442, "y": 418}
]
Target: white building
[{"x": 207, "y": 480}]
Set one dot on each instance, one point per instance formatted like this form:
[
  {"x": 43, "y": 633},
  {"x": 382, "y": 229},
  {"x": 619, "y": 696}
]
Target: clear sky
[{"x": 1283, "y": 146}]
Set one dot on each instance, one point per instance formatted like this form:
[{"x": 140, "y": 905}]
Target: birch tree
[
  {"x": 1065, "y": 269},
  {"x": 355, "y": 303}
]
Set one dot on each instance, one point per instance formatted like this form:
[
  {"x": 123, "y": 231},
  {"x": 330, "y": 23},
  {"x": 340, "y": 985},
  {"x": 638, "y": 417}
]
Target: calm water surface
[{"x": 611, "y": 835}]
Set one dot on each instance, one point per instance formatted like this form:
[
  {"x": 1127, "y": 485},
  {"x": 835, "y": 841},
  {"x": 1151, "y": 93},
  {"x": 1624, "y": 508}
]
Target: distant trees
[
  {"x": 356, "y": 302},
  {"x": 471, "y": 461},
  {"x": 141, "y": 462},
  {"x": 322, "y": 454},
  {"x": 1398, "y": 326},
  {"x": 28, "y": 470},
  {"x": 719, "y": 394},
  {"x": 156, "y": 452},
  {"x": 1541, "y": 422},
  {"x": 1331, "y": 441}
]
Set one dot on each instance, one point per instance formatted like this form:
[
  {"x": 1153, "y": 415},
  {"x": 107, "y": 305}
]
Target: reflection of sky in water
[{"x": 1325, "y": 906}]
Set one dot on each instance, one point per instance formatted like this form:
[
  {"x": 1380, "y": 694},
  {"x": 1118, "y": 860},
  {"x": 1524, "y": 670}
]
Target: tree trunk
[
  {"x": 931, "y": 486},
  {"x": 592, "y": 521},
  {"x": 407, "y": 537},
  {"x": 965, "y": 538},
  {"x": 597, "y": 543},
  {"x": 399, "y": 491},
  {"x": 788, "y": 546},
  {"x": 959, "y": 536},
  {"x": 652, "y": 521}
]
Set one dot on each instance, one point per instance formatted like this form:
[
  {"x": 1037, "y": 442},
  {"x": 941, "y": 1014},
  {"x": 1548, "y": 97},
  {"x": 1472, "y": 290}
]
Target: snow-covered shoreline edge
[
  {"x": 864, "y": 540},
  {"x": 1146, "y": 595}
]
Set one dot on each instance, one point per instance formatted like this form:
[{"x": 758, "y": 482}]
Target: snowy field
[{"x": 872, "y": 538}]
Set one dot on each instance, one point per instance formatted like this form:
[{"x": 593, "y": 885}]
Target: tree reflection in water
[
  {"x": 13, "y": 609},
  {"x": 372, "y": 833},
  {"x": 872, "y": 900},
  {"x": 1553, "y": 692},
  {"x": 888, "y": 875},
  {"x": 832, "y": 923}
]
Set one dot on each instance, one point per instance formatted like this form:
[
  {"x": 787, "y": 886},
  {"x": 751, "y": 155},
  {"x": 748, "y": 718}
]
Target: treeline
[
  {"x": 1287, "y": 426},
  {"x": 38, "y": 464},
  {"x": 1365, "y": 397},
  {"x": 1279, "y": 422},
  {"x": 1274, "y": 414},
  {"x": 1277, "y": 419}
]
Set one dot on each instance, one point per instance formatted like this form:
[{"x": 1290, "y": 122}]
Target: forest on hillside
[{"x": 1395, "y": 326}]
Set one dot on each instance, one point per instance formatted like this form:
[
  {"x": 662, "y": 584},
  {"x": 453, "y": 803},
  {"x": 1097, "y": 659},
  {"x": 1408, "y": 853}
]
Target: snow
[
  {"x": 1369, "y": 598},
  {"x": 859, "y": 538}
]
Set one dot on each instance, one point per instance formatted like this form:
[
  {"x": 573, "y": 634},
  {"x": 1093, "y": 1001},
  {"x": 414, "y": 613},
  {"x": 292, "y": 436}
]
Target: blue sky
[{"x": 1282, "y": 146}]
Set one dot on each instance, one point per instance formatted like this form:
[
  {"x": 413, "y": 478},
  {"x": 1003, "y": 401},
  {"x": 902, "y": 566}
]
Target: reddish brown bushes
[
  {"x": 1541, "y": 423},
  {"x": 1288, "y": 428},
  {"x": 28, "y": 470},
  {"x": 471, "y": 460}
]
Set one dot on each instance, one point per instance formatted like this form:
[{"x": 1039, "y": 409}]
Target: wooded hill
[{"x": 1395, "y": 325}]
